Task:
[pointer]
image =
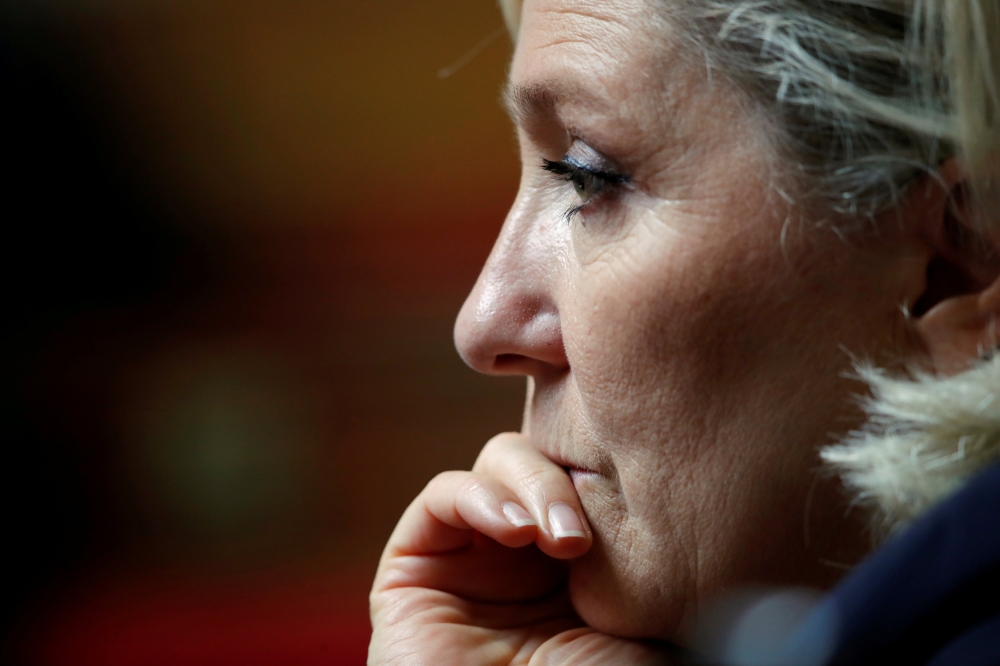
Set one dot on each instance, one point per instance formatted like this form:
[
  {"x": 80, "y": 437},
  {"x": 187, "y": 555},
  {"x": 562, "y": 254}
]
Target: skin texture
[
  {"x": 686, "y": 336},
  {"x": 676, "y": 350}
]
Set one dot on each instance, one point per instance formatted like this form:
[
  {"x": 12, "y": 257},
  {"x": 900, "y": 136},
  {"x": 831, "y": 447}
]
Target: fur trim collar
[{"x": 925, "y": 436}]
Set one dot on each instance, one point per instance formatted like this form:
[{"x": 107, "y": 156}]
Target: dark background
[{"x": 236, "y": 237}]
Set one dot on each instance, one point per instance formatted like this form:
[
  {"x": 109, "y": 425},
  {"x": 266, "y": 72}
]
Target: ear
[{"x": 956, "y": 316}]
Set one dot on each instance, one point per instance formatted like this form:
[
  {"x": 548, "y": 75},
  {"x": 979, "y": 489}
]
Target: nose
[{"x": 510, "y": 324}]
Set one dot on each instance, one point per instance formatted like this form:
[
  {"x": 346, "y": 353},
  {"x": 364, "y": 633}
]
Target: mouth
[
  {"x": 580, "y": 475},
  {"x": 579, "y": 471}
]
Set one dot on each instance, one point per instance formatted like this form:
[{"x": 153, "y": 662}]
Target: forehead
[
  {"x": 590, "y": 41},
  {"x": 616, "y": 61}
]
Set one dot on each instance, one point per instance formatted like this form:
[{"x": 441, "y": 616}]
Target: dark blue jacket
[{"x": 931, "y": 596}]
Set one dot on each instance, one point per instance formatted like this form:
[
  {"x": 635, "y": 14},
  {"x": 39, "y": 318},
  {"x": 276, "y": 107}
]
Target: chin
[{"x": 612, "y": 601}]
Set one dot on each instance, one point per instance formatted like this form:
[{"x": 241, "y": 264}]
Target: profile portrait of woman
[{"x": 752, "y": 277}]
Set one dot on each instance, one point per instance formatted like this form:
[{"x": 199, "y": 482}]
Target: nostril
[
  {"x": 521, "y": 364},
  {"x": 502, "y": 362},
  {"x": 518, "y": 334}
]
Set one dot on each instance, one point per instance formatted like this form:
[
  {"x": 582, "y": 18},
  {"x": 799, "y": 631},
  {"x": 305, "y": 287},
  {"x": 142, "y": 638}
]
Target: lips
[
  {"x": 572, "y": 467},
  {"x": 579, "y": 474},
  {"x": 566, "y": 448}
]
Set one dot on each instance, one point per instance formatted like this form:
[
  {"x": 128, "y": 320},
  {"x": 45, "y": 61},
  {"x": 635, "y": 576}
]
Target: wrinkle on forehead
[
  {"x": 602, "y": 18},
  {"x": 615, "y": 48},
  {"x": 613, "y": 11},
  {"x": 609, "y": 24}
]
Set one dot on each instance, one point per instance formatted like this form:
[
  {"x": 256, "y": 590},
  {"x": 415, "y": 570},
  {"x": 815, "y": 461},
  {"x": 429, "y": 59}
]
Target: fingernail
[
  {"x": 564, "y": 522},
  {"x": 517, "y": 516}
]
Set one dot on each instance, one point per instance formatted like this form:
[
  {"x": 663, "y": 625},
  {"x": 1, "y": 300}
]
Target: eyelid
[
  {"x": 613, "y": 177},
  {"x": 582, "y": 154},
  {"x": 581, "y": 175},
  {"x": 568, "y": 167}
]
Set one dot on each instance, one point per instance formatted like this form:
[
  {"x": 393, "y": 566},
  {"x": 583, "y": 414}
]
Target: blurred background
[{"x": 238, "y": 233}]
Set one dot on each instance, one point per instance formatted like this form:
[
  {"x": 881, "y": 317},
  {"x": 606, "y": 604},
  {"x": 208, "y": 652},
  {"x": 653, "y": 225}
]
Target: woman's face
[{"x": 683, "y": 330}]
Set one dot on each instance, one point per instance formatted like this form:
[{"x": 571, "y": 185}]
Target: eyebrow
[
  {"x": 528, "y": 100},
  {"x": 535, "y": 99}
]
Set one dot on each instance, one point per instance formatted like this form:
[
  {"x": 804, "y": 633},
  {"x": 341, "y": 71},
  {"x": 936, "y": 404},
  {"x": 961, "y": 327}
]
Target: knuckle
[
  {"x": 440, "y": 478},
  {"x": 504, "y": 438},
  {"x": 456, "y": 484},
  {"x": 505, "y": 441},
  {"x": 471, "y": 485},
  {"x": 510, "y": 458},
  {"x": 442, "y": 481},
  {"x": 538, "y": 478},
  {"x": 501, "y": 449},
  {"x": 497, "y": 445}
]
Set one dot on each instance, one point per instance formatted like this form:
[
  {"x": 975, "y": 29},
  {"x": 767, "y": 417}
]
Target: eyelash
[{"x": 583, "y": 179}]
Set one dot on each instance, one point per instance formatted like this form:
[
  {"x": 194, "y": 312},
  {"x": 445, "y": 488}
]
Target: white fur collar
[{"x": 925, "y": 436}]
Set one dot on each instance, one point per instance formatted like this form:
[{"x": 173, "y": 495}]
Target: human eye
[{"x": 590, "y": 179}]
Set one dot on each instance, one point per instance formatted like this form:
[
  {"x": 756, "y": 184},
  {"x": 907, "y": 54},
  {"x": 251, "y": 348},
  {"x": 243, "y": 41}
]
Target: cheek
[
  {"x": 710, "y": 376},
  {"x": 642, "y": 388},
  {"x": 644, "y": 329}
]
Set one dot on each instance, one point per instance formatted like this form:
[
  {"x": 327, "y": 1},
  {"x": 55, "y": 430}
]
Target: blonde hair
[{"x": 867, "y": 95}]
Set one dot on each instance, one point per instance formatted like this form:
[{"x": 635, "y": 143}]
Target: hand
[{"x": 475, "y": 572}]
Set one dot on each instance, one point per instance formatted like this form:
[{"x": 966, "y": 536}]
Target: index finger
[{"x": 544, "y": 489}]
